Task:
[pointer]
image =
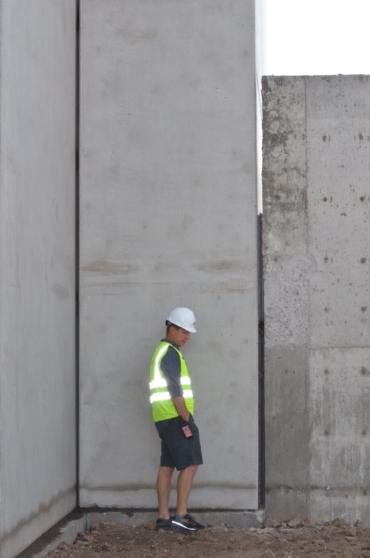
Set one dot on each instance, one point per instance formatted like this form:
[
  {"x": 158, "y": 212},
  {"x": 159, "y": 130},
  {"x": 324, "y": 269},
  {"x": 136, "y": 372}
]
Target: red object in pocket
[{"x": 187, "y": 432}]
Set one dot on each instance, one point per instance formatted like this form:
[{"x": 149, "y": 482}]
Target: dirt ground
[{"x": 288, "y": 539}]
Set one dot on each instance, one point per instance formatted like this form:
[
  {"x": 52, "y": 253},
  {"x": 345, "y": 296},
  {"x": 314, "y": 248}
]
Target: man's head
[{"x": 180, "y": 323}]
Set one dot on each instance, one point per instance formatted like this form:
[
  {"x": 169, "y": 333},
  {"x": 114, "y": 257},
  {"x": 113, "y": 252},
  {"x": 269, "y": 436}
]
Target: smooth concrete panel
[
  {"x": 168, "y": 218},
  {"x": 260, "y": 46},
  {"x": 37, "y": 263},
  {"x": 105, "y": 384}
]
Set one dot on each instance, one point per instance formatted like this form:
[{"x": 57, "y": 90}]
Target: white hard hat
[{"x": 183, "y": 317}]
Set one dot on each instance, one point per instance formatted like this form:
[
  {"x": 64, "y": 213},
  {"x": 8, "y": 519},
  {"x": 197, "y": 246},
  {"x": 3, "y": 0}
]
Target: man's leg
[
  {"x": 184, "y": 484},
  {"x": 163, "y": 491}
]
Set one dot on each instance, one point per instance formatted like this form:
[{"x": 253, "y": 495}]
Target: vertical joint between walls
[
  {"x": 261, "y": 371},
  {"x": 307, "y": 357},
  {"x": 77, "y": 248},
  {"x": 1, "y": 184}
]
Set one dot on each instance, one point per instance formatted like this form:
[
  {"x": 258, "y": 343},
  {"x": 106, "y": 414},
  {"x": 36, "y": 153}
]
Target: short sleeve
[{"x": 171, "y": 368}]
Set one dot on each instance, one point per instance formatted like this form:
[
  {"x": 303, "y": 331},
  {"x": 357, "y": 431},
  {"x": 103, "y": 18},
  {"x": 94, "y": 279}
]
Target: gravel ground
[{"x": 288, "y": 539}]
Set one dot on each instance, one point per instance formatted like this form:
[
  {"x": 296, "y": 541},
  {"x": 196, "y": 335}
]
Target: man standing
[{"x": 172, "y": 402}]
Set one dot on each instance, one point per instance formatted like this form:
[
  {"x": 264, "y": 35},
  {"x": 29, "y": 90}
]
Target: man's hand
[{"x": 180, "y": 405}]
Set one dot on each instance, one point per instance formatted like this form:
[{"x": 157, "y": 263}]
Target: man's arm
[
  {"x": 171, "y": 371},
  {"x": 180, "y": 405}
]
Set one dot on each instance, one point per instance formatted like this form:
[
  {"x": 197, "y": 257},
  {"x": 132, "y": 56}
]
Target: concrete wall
[
  {"x": 37, "y": 268},
  {"x": 260, "y": 46},
  {"x": 168, "y": 218},
  {"x": 316, "y": 266}
]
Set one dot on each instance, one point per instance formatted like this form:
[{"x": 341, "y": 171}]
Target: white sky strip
[{"x": 317, "y": 37}]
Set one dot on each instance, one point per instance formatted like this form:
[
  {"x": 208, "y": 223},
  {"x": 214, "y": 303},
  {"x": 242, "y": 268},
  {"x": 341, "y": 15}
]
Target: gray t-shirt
[{"x": 171, "y": 368}]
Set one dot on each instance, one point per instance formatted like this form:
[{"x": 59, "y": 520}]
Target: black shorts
[{"x": 177, "y": 450}]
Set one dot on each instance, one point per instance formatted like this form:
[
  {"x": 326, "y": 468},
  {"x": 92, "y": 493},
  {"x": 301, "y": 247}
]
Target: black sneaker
[
  {"x": 188, "y": 524},
  {"x": 163, "y": 524}
]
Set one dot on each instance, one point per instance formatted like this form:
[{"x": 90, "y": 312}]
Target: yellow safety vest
[{"x": 160, "y": 398}]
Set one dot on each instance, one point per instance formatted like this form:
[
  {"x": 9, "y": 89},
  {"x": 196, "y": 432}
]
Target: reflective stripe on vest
[
  {"x": 161, "y": 382},
  {"x": 165, "y": 396},
  {"x": 162, "y": 405}
]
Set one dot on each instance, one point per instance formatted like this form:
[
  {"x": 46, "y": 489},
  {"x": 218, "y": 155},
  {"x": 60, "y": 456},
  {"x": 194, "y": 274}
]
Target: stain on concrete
[
  {"x": 43, "y": 508},
  {"x": 109, "y": 268},
  {"x": 137, "y": 36},
  {"x": 218, "y": 266},
  {"x": 60, "y": 292}
]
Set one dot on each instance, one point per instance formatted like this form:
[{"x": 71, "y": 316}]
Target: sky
[{"x": 317, "y": 37}]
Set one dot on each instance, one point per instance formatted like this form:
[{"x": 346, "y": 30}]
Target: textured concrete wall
[
  {"x": 37, "y": 268},
  {"x": 168, "y": 218},
  {"x": 316, "y": 265}
]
